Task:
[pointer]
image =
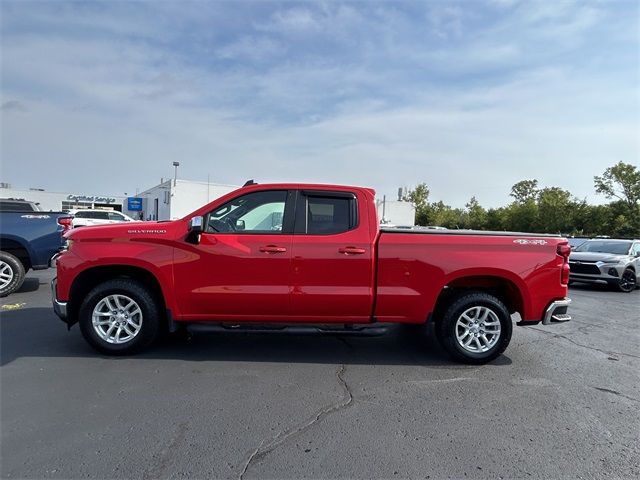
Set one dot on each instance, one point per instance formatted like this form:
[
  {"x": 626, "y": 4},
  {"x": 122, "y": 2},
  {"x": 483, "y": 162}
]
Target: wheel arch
[
  {"x": 89, "y": 278},
  {"x": 16, "y": 248},
  {"x": 501, "y": 287}
]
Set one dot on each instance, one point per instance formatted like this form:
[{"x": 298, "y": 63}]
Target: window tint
[
  {"x": 259, "y": 212},
  {"x": 326, "y": 215},
  {"x": 604, "y": 246},
  {"x": 116, "y": 216},
  {"x": 101, "y": 215},
  {"x": 15, "y": 207}
]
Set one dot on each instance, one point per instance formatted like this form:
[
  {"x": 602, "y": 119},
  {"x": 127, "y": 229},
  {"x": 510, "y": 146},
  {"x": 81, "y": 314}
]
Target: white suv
[{"x": 84, "y": 218}]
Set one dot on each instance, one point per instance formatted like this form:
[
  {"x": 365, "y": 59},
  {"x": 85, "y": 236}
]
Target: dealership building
[
  {"x": 58, "y": 201},
  {"x": 169, "y": 200}
]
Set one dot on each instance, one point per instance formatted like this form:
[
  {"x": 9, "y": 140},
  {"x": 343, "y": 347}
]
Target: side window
[
  {"x": 115, "y": 216},
  {"x": 258, "y": 212},
  {"x": 81, "y": 215},
  {"x": 636, "y": 249},
  {"x": 100, "y": 215},
  {"x": 329, "y": 215},
  {"x": 16, "y": 207}
]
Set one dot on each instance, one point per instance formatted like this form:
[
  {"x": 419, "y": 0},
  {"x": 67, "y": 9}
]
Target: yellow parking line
[{"x": 12, "y": 306}]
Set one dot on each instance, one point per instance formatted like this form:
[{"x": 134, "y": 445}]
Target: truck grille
[{"x": 587, "y": 268}]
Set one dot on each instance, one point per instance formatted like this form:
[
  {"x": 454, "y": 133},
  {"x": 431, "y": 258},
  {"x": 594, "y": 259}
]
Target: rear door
[{"x": 332, "y": 262}]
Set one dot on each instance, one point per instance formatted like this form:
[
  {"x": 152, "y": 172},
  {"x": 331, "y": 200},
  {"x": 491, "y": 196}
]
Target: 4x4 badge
[{"x": 524, "y": 241}]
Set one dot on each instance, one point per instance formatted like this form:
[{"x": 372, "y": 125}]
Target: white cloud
[{"x": 335, "y": 93}]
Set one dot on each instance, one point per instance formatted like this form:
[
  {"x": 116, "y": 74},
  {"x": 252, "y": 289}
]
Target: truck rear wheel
[
  {"x": 475, "y": 328},
  {"x": 119, "y": 317},
  {"x": 11, "y": 274}
]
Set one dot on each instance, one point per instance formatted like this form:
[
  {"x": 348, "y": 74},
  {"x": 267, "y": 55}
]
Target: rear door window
[{"x": 326, "y": 213}]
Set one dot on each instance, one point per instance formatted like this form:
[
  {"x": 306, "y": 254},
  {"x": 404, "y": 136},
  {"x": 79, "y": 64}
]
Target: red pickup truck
[{"x": 306, "y": 257}]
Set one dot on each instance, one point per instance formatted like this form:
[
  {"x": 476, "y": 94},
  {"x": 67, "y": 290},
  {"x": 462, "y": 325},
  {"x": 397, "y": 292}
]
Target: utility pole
[{"x": 175, "y": 176}]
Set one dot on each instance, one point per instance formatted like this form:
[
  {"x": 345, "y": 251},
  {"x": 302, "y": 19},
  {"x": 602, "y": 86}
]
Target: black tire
[
  {"x": 151, "y": 320},
  {"x": 627, "y": 281},
  {"x": 10, "y": 265},
  {"x": 446, "y": 328}
]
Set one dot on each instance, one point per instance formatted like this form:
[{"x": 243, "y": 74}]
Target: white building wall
[
  {"x": 397, "y": 213},
  {"x": 187, "y": 196},
  {"x": 162, "y": 195},
  {"x": 177, "y": 201}
]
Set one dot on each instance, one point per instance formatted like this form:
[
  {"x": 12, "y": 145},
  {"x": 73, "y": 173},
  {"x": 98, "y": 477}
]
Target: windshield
[{"x": 603, "y": 246}]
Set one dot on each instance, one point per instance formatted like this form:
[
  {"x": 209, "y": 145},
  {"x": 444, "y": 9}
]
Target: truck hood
[
  {"x": 596, "y": 257},
  {"x": 128, "y": 230}
]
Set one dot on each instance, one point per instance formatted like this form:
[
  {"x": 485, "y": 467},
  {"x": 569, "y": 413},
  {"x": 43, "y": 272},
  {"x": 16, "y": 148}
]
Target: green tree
[
  {"x": 521, "y": 215},
  {"x": 496, "y": 219},
  {"x": 554, "y": 210},
  {"x": 443, "y": 215},
  {"x": 622, "y": 181},
  {"x": 419, "y": 196},
  {"x": 475, "y": 214},
  {"x": 525, "y": 191}
]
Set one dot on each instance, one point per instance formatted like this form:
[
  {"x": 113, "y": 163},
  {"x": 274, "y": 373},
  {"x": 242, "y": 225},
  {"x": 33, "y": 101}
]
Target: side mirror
[
  {"x": 194, "y": 229},
  {"x": 195, "y": 225},
  {"x": 240, "y": 225}
]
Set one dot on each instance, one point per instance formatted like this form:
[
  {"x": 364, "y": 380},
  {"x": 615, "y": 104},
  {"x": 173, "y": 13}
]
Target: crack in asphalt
[
  {"x": 615, "y": 392},
  {"x": 570, "y": 340},
  {"x": 264, "y": 449}
]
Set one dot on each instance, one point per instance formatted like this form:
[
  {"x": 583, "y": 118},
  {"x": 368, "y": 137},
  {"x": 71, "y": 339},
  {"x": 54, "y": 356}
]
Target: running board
[{"x": 346, "y": 329}]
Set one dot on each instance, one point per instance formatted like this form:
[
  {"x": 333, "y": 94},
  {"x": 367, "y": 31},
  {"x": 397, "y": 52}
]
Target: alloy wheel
[
  {"x": 6, "y": 274},
  {"x": 478, "y": 329},
  {"x": 117, "y": 319}
]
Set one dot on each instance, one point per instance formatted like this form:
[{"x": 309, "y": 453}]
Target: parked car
[
  {"x": 18, "y": 205},
  {"x": 28, "y": 240},
  {"x": 615, "y": 262},
  {"x": 86, "y": 217},
  {"x": 306, "y": 258}
]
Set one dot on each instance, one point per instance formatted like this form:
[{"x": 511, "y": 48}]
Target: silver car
[{"x": 616, "y": 262}]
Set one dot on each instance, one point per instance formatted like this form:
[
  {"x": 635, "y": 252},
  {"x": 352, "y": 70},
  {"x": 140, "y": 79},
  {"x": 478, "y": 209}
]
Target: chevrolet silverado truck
[
  {"x": 28, "y": 240},
  {"x": 305, "y": 257}
]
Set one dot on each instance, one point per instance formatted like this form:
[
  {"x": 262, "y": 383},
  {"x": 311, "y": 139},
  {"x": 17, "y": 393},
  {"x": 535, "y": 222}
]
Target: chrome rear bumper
[{"x": 557, "y": 312}]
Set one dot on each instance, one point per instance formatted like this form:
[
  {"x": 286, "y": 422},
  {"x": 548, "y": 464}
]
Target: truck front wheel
[
  {"x": 475, "y": 328},
  {"x": 11, "y": 274},
  {"x": 119, "y": 317}
]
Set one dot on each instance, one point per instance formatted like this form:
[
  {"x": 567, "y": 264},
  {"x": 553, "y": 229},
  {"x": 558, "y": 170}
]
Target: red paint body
[{"x": 358, "y": 276}]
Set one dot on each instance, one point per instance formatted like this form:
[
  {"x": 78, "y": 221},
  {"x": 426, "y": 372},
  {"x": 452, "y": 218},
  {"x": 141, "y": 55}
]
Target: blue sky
[{"x": 469, "y": 97}]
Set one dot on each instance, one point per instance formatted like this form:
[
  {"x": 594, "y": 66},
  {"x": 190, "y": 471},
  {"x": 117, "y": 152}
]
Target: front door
[{"x": 240, "y": 268}]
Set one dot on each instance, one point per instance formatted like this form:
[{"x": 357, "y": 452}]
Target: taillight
[
  {"x": 564, "y": 249},
  {"x": 66, "y": 223}
]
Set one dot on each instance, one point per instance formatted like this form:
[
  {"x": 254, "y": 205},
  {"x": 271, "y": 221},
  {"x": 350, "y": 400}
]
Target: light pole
[{"x": 175, "y": 176}]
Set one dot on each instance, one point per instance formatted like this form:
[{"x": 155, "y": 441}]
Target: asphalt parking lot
[{"x": 562, "y": 402}]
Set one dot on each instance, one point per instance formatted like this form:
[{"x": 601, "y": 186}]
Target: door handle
[
  {"x": 352, "y": 250},
  {"x": 273, "y": 249}
]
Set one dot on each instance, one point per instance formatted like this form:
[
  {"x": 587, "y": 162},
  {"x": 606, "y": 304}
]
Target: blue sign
[{"x": 134, "y": 204}]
